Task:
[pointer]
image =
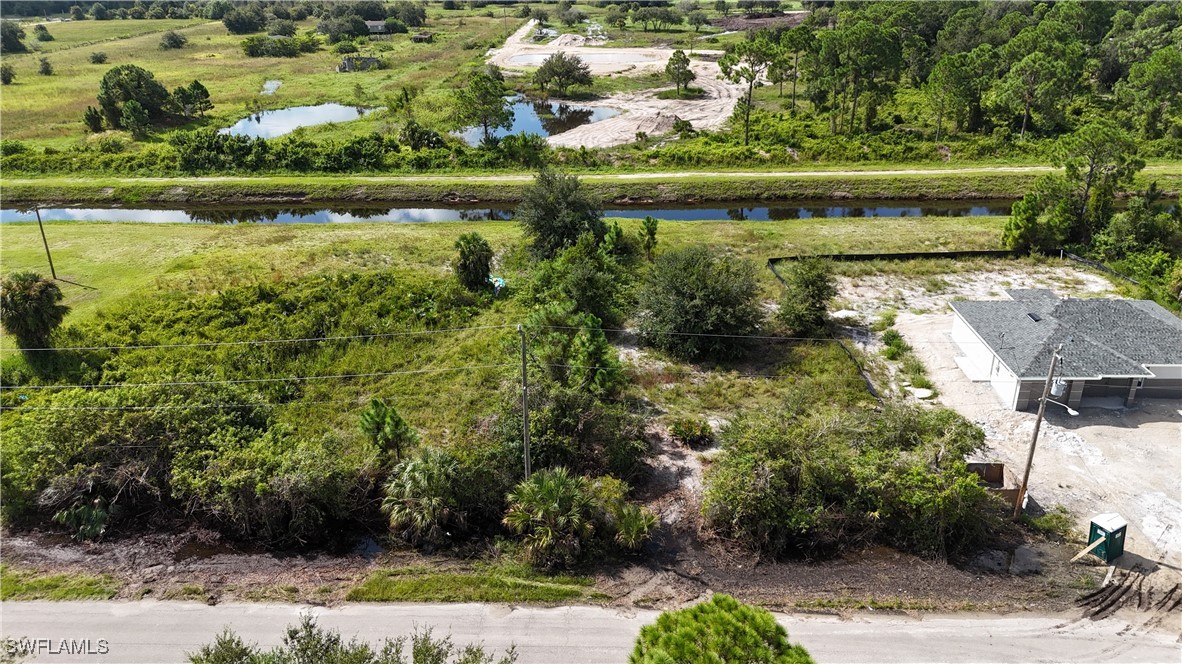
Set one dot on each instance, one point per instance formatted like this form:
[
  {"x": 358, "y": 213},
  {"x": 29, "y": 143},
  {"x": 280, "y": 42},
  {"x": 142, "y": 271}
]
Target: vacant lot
[{"x": 48, "y": 109}]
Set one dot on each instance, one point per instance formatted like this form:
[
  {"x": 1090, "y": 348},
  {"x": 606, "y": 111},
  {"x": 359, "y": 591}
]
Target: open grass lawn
[
  {"x": 73, "y": 34},
  {"x": 123, "y": 259},
  {"x": 48, "y": 109},
  {"x": 27, "y": 585}
]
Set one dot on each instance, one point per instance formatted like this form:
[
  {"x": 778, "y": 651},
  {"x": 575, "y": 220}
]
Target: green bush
[
  {"x": 696, "y": 302},
  {"x": 307, "y": 642},
  {"x": 720, "y": 630},
  {"x": 808, "y": 289},
  {"x": 692, "y": 431},
  {"x": 561, "y": 515},
  {"x": 30, "y": 309},
  {"x": 473, "y": 261},
  {"x": 555, "y": 211},
  {"x": 422, "y": 499},
  {"x": 828, "y": 478}
]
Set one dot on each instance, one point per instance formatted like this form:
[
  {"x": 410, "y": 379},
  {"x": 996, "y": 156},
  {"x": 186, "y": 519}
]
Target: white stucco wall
[{"x": 1001, "y": 379}]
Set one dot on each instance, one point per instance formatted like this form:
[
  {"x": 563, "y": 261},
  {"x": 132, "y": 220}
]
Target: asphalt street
[{"x": 151, "y": 631}]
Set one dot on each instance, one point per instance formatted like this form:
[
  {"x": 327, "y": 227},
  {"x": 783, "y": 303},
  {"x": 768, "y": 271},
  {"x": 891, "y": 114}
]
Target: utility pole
[
  {"x": 46, "y": 243},
  {"x": 1042, "y": 406},
  {"x": 524, "y": 403}
]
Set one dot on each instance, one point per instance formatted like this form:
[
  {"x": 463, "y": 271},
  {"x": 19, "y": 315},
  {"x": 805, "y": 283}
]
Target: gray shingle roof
[{"x": 1100, "y": 337}]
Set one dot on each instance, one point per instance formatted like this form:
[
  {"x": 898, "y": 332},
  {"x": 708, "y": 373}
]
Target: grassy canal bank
[{"x": 675, "y": 187}]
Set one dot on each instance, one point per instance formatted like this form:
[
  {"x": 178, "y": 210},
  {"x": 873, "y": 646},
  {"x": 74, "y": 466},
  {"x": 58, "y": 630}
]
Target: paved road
[{"x": 152, "y": 631}]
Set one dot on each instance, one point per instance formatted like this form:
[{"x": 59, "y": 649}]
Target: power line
[
  {"x": 262, "y": 404},
  {"x": 764, "y": 337},
  {"x": 247, "y": 342},
  {"x": 722, "y": 373},
  {"x": 254, "y": 380}
]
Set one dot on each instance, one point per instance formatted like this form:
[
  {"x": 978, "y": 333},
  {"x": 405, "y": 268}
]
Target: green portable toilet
[{"x": 1112, "y": 528}]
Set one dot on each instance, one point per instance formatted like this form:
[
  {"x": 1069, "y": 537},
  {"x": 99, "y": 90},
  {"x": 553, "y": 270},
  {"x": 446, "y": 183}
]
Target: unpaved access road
[
  {"x": 641, "y": 111},
  {"x": 150, "y": 631}
]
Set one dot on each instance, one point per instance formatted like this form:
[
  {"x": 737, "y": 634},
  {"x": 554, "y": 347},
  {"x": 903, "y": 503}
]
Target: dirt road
[
  {"x": 641, "y": 111},
  {"x": 163, "y": 632}
]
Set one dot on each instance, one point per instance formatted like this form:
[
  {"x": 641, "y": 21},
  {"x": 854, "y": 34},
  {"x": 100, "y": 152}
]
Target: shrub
[
  {"x": 44, "y": 67},
  {"x": 7, "y": 74},
  {"x": 98, "y": 58},
  {"x": 307, "y": 642},
  {"x": 820, "y": 480},
  {"x": 555, "y": 211},
  {"x": 692, "y": 431},
  {"x": 896, "y": 348},
  {"x": 421, "y": 497},
  {"x": 720, "y": 630},
  {"x": 560, "y": 514},
  {"x": 473, "y": 262},
  {"x": 172, "y": 40},
  {"x": 281, "y": 28},
  {"x": 590, "y": 278},
  {"x": 30, "y": 309},
  {"x": 344, "y": 48},
  {"x": 697, "y": 303},
  {"x": 244, "y": 19},
  {"x": 808, "y": 290},
  {"x": 41, "y": 33}
]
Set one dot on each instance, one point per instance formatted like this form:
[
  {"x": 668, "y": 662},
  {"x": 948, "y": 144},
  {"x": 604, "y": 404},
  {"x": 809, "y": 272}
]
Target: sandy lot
[
  {"x": 642, "y": 111},
  {"x": 1109, "y": 459}
]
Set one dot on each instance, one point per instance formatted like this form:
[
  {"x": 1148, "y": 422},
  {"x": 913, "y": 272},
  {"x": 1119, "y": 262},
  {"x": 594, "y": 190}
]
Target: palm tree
[
  {"x": 29, "y": 308},
  {"x": 420, "y": 497},
  {"x": 554, "y": 510},
  {"x": 386, "y": 429}
]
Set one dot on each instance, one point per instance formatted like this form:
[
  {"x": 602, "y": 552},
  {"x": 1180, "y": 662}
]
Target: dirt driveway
[
  {"x": 1113, "y": 459},
  {"x": 641, "y": 111}
]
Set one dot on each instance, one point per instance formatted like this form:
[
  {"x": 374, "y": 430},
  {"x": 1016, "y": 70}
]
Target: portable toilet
[{"x": 1111, "y": 527}]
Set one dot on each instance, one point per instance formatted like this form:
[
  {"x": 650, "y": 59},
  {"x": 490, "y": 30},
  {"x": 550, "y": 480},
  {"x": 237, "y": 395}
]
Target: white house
[{"x": 1123, "y": 348}]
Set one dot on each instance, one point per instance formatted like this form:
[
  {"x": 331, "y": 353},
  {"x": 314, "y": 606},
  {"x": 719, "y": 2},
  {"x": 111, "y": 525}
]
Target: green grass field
[
  {"x": 122, "y": 259},
  {"x": 48, "y": 109}
]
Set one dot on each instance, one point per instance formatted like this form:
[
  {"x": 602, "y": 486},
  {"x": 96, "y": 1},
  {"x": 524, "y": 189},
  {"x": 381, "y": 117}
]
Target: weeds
[{"x": 29, "y": 585}]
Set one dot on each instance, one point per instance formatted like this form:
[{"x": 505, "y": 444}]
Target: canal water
[{"x": 742, "y": 211}]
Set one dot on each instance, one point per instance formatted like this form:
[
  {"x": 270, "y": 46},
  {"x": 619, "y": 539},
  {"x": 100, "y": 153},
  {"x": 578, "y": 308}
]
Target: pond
[
  {"x": 749, "y": 211},
  {"x": 544, "y": 118},
  {"x": 604, "y": 58},
  {"x": 269, "y": 124}
]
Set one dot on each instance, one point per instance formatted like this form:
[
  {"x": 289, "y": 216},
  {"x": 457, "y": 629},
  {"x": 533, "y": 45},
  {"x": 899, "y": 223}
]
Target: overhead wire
[
  {"x": 247, "y": 342},
  {"x": 234, "y": 381}
]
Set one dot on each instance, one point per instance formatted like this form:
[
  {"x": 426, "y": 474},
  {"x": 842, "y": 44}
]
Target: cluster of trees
[
  {"x": 1076, "y": 210},
  {"x": 259, "y": 46},
  {"x": 978, "y": 67},
  {"x": 131, "y": 98},
  {"x": 656, "y": 16}
]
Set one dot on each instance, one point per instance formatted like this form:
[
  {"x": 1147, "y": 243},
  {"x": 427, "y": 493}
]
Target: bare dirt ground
[
  {"x": 1115, "y": 459},
  {"x": 642, "y": 111},
  {"x": 740, "y": 22}
]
